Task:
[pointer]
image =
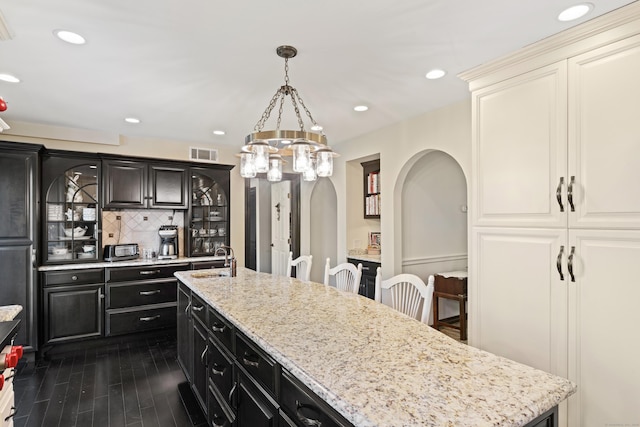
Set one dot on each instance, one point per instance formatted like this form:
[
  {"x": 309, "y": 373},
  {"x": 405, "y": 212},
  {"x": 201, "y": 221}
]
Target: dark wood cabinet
[
  {"x": 183, "y": 332},
  {"x": 72, "y": 305},
  {"x": 254, "y": 407},
  {"x": 199, "y": 362},
  {"x": 143, "y": 184},
  {"x": 19, "y": 178},
  {"x": 371, "y": 174},
  {"x": 368, "y": 280}
]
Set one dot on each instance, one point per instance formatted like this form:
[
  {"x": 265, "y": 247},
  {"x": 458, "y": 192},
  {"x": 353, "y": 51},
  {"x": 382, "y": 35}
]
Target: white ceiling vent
[{"x": 207, "y": 155}]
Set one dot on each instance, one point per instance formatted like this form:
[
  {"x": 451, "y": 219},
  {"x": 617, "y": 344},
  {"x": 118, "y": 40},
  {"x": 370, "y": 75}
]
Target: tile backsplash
[{"x": 141, "y": 227}]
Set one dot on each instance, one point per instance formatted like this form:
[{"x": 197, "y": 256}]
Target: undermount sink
[{"x": 215, "y": 272}]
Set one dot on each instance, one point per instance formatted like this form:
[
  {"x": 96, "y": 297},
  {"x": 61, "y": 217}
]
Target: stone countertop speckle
[
  {"x": 374, "y": 365},
  {"x": 128, "y": 263},
  {"x": 9, "y": 312}
]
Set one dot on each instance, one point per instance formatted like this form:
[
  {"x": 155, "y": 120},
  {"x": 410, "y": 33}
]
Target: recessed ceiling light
[
  {"x": 436, "y": 73},
  {"x": 219, "y": 132},
  {"x": 69, "y": 37},
  {"x": 9, "y": 78},
  {"x": 575, "y": 12},
  {"x": 360, "y": 108},
  {"x": 132, "y": 120}
]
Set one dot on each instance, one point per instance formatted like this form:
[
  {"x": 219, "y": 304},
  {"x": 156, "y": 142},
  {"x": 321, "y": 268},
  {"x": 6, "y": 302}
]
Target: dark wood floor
[{"x": 127, "y": 383}]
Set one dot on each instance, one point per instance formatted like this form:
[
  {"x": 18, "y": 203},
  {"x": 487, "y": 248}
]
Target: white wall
[
  {"x": 400, "y": 146},
  {"x": 323, "y": 239}
]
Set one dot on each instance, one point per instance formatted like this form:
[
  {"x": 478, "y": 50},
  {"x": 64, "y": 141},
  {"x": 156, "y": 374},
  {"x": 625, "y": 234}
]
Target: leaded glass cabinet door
[
  {"x": 71, "y": 214},
  {"x": 209, "y": 211}
]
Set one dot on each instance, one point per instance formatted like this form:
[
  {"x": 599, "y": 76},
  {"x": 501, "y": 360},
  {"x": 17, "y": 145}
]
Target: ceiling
[{"x": 186, "y": 68}]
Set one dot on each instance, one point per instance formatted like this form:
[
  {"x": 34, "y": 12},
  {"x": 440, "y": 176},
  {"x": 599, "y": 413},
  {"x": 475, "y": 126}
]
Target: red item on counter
[
  {"x": 10, "y": 361},
  {"x": 1, "y": 381},
  {"x": 17, "y": 349},
  {"x": 3, "y": 105}
]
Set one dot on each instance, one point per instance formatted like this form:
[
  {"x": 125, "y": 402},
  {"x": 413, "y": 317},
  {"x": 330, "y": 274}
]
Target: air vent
[{"x": 206, "y": 155}]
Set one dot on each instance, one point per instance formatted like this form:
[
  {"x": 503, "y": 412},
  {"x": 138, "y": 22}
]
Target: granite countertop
[
  {"x": 366, "y": 257},
  {"x": 371, "y": 363},
  {"x": 127, "y": 263},
  {"x": 9, "y": 312}
]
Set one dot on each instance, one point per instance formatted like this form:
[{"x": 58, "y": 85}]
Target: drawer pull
[
  {"x": 217, "y": 419},
  {"x": 233, "y": 389},
  {"x": 147, "y": 293},
  {"x": 12, "y": 414},
  {"x": 215, "y": 369},
  {"x": 250, "y": 359},
  {"x": 74, "y": 277},
  {"x": 194, "y": 308},
  {"x": 150, "y": 318},
  {"x": 311, "y": 422},
  {"x": 365, "y": 268},
  {"x": 147, "y": 272},
  {"x": 218, "y": 327}
]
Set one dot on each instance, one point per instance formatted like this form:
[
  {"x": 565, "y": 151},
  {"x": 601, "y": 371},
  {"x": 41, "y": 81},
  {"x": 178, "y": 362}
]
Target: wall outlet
[
  {"x": 111, "y": 235},
  {"x": 145, "y": 218},
  {"x": 118, "y": 217},
  {"x": 170, "y": 218}
]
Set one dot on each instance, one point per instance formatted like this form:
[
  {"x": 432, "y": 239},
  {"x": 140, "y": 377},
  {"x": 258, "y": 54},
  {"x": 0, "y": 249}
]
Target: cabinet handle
[
  {"x": 250, "y": 359},
  {"x": 216, "y": 418},
  {"x": 233, "y": 390},
  {"x": 365, "y": 268},
  {"x": 559, "y": 193},
  {"x": 570, "y": 193},
  {"x": 311, "y": 422},
  {"x": 570, "y": 264},
  {"x": 12, "y": 414},
  {"x": 147, "y": 272},
  {"x": 147, "y": 293},
  {"x": 217, "y": 327},
  {"x": 100, "y": 294},
  {"x": 150, "y": 318},
  {"x": 215, "y": 369},
  {"x": 186, "y": 309},
  {"x": 559, "y": 262},
  {"x": 204, "y": 353},
  {"x": 194, "y": 308}
]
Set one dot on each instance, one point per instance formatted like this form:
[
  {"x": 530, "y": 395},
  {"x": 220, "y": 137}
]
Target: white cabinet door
[
  {"x": 519, "y": 150},
  {"x": 603, "y": 328},
  {"x": 604, "y": 136},
  {"x": 517, "y": 301}
]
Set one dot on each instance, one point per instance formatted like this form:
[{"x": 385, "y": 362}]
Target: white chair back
[
  {"x": 302, "y": 265},
  {"x": 347, "y": 276},
  {"x": 408, "y": 294}
]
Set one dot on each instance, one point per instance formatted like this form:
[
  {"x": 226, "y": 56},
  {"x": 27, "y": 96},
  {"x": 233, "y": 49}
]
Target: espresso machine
[{"x": 168, "y": 242}]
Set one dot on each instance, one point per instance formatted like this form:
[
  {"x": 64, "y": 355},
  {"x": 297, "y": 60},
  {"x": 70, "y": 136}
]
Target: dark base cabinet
[
  {"x": 254, "y": 408},
  {"x": 368, "y": 280}
]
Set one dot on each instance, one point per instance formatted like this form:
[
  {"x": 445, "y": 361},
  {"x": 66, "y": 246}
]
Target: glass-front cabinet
[
  {"x": 71, "y": 216},
  {"x": 209, "y": 213}
]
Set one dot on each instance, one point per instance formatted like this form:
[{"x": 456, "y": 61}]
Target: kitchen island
[{"x": 371, "y": 364}]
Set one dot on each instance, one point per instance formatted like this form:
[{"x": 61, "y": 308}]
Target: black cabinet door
[
  {"x": 18, "y": 230},
  {"x": 125, "y": 183},
  {"x": 199, "y": 379},
  {"x": 168, "y": 186},
  {"x": 254, "y": 408},
  {"x": 73, "y": 312},
  {"x": 184, "y": 330}
]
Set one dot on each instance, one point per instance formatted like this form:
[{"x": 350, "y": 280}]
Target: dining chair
[
  {"x": 302, "y": 265},
  {"x": 346, "y": 276},
  {"x": 408, "y": 294}
]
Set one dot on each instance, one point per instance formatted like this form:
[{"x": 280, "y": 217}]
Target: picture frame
[{"x": 374, "y": 238}]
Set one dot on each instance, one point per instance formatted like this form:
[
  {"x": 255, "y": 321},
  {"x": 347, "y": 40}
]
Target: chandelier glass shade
[{"x": 264, "y": 150}]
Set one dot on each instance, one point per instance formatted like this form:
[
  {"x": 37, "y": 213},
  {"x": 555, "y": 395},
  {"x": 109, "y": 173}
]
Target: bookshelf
[{"x": 371, "y": 178}]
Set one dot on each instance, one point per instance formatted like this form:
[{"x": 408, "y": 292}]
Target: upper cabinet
[
  {"x": 209, "y": 210},
  {"x": 144, "y": 185},
  {"x": 71, "y": 211},
  {"x": 371, "y": 178}
]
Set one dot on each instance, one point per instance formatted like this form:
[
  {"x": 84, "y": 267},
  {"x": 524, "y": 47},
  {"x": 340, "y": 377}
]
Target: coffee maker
[{"x": 168, "y": 242}]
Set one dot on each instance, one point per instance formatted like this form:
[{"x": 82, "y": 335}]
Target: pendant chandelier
[{"x": 264, "y": 150}]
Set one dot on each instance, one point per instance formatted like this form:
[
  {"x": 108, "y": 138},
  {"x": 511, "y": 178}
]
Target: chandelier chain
[{"x": 267, "y": 112}]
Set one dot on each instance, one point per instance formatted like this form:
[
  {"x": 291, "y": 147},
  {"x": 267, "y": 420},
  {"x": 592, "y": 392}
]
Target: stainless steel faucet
[{"x": 229, "y": 262}]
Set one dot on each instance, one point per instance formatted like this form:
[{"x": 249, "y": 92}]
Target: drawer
[
  {"x": 68, "y": 277},
  {"x": 124, "y": 322},
  {"x": 134, "y": 294},
  {"x": 257, "y": 363},
  {"x": 450, "y": 285},
  {"x": 199, "y": 265},
  {"x": 219, "y": 415},
  {"x": 304, "y": 407},
  {"x": 221, "y": 328},
  {"x": 220, "y": 368},
  {"x": 123, "y": 274},
  {"x": 198, "y": 309}
]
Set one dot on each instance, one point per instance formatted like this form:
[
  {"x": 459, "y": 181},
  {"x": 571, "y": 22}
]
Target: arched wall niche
[{"x": 323, "y": 227}]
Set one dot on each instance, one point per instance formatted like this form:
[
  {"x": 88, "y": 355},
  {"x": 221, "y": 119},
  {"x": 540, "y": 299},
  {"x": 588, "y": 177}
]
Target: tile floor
[{"x": 123, "y": 384}]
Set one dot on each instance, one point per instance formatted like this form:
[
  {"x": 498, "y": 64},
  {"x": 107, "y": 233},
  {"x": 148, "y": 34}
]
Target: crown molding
[{"x": 613, "y": 26}]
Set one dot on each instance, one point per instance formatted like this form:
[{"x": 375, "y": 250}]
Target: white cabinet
[{"x": 555, "y": 241}]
